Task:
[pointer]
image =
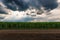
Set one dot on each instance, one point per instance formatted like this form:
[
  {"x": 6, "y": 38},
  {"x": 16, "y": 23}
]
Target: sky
[{"x": 16, "y": 10}]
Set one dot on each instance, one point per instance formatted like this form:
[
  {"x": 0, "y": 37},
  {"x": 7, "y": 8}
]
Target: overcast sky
[{"x": 13, "y": 10}]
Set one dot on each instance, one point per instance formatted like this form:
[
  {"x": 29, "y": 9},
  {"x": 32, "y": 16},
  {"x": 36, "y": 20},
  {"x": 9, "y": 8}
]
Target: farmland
[
  {"x": 29, "y": 34},
  {"x": 29, "y": 25},
  {"x": 37, "y": 31}
]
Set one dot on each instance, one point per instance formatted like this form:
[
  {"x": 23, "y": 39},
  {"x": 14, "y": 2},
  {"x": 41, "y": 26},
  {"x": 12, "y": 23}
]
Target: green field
[{"x": 29, "y": 25}]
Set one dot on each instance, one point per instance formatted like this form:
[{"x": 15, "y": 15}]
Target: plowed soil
[{"x": 29, "y": 34}]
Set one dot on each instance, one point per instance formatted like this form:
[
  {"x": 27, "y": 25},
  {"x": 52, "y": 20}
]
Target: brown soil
[{"x": 29, "y": 34}]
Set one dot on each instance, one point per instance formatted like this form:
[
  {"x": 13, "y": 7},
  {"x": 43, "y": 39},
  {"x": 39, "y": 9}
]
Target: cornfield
[{"x": 29, "y": 25}]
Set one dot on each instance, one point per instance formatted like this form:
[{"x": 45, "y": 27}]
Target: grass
[{"x": 29, "y": 25}]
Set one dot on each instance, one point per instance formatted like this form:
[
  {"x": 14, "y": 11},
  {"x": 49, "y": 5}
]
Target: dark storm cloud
[
  {"x": 2, "y": 17},
  {"x": 16, "y": 4},
  {"x": 2, "y": 11},
  {"x": 49, "y": 4},
  {"x": 24, "y": 4}
]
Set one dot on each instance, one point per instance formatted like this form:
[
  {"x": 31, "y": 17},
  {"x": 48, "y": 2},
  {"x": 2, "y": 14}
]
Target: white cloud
[{"x": 58, "y": 1}]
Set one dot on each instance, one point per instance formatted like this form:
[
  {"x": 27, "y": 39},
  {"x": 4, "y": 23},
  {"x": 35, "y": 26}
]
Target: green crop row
[{"x": 29, "y": 25}]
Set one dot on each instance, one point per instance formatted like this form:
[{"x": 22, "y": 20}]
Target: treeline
[{"x": 29, "y": 25}]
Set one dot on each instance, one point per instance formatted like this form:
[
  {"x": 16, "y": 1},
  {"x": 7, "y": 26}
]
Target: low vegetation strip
[{"x": 29, "y": 25}]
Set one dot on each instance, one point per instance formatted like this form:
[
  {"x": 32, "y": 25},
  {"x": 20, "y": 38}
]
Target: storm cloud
[
  {"x": 16, "y": 10},
  {"x": 22, "y": 5},
  {"x": 3, "y": 11}
]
